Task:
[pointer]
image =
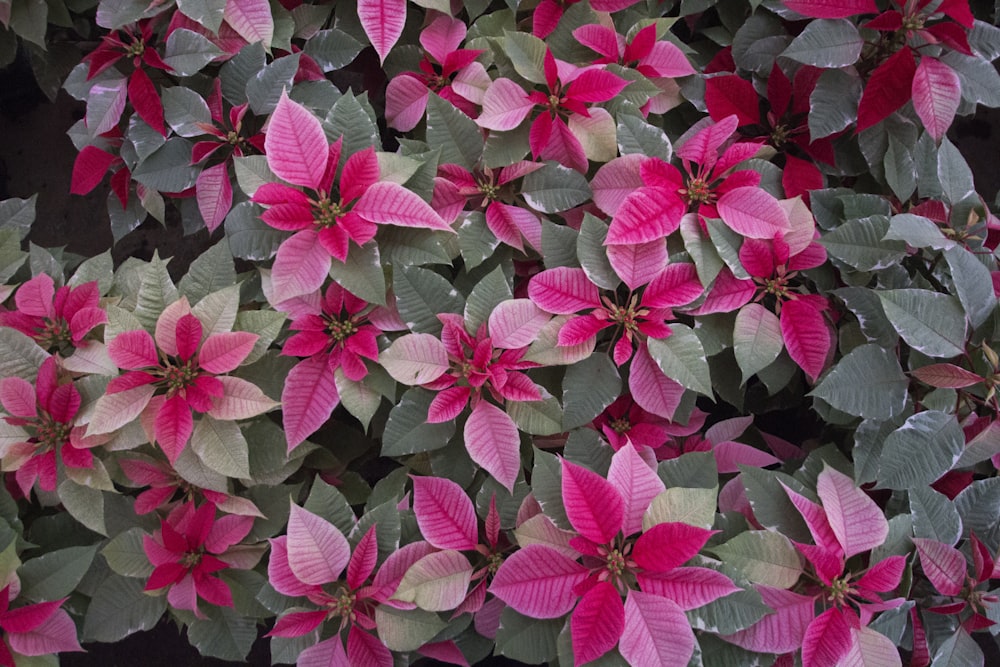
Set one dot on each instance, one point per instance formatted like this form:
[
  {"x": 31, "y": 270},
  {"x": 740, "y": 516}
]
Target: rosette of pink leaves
[
  {"x": 41, "y": 429},
  {"x": 565, "y": 111},
  {"x": 967, "y": 592},
  {"x": 492, "y": 189},
  {"x": 332, "y": 211},
  {"x": 309, "y": 561},
  {"x": 566, "y": 291},
  {"x": 332, "y": 333},
  {"x": 447, "y": 520},
  {"x": 784, "y": 121},
  {"x": 213, "y": 187},
  {"x": 131, "y": 42},
  {"x": 178, "y": 371},
  {"x": 774, "y": 264},
  {"x": 609, "y": 559},
  {"x": 56, "y": 319},
  {"x": 660, "y": 61},
  {"x": 163, "y": 483},
  {"x": 42, "y": 628},
  {"x": 460, "y": 367},
  {"x": 846, "y": 524},
  {"x": 188, "y": 551},
  {"x": 445, "y": 69}
]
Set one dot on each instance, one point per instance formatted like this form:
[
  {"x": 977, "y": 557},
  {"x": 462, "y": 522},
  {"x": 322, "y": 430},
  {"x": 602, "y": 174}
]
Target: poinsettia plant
[{"x": 589, "y": 332}]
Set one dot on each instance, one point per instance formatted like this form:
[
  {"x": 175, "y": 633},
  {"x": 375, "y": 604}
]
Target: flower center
[
  {"x": 191, "y": 559},
  {"x": 839, "y": 591},
  {"x": 326, "y": 212},
  {"x": 55, "y": 334},
  {"x": 777, "y": 286},
  {"x": 135, "y": 49},
  {"x": 343, "y": 604},
  {"x": 493, "y": 563},
  {"x": 554, "y": 101},
  {"x": 179, "y": 377},
  {"x": 914, "y": 22},
  {"x": 615, "y": 562},
  {"x": 50, "y": 433},
  {"x": 779, "y": 136},
  {"x": 626, "y": 317},
  {"x": 620, "y": 425},
  {"x": 341, "y": 330},
  {"x": 489, "y": 190},
  {"x": 233, "y": 138},
  {"x": 698, "y": 190}
]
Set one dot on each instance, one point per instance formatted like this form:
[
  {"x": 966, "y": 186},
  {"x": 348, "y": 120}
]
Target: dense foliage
[{"x": 593, "y": 331}]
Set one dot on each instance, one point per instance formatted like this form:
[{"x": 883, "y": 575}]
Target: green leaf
[
  {"x": 727, "y": 244},
  {"x": 350, "y": 119},
  {"x": 954, "y": 173},
  {"x": 264, "y": 86},
  {"x": 690, "y": 470},
  {"x": 826, "y": 43},
  {"x": 169, "y": 169},
  {"x": 764, "y": 557},
  {"x": 757, "y": 339},
  {"x": 407, "y": 430},
  {"x": 859, "y": 243},
  {"x": 559, "y": 245},
  {"x": 406, "y": 630},
  {"x": 362, "y": 274},
  {"x": 833, "y": 104},
  {"x": 457, "y": 135},
  {"x": 526, "y": 639},
  {"x": 332, "y": 49},
  {"x": 237, "y": 72},
  {"x": 537, "y": 417},
  {"x": 771, "y": 505},
  {"x": 19, "y": 355},
  {"x": 405, "y": 246},
  {"x": 485, "y": 297},
  {"x": 19, "y": 214},
  {"x": 681, "y": 357},
  {"x": 99, "y": 268},
  {"x": 156, "y": 292},
  {"x": 959, "y": 650},
  {"x": 55, "y": 574},
  {"x": 225, "y": 634},
  {"x": 930, "y": 322},
  {"x": 868, "y": 382},
  {"x": 29, "y": 20},
  {"x": 206, "y": 12},
  {"x": 693, "y": 506},
  {"x": 934, "y": 515},
  {"x": 358, "y": 397},
  {"x": 588, "y": 388},
  {"x": 546, "y": 486},
  {"x": 867, "y": 307},
  {"x": 920, "y": 451},
  {"x": 636, "y": 136},
  {"x": 85, "y": 504},
  {"x": 326, "y": 501},
  {"x": 979, "y": 504},
  {"x": 900, "y": 169},
  {"x": 252, "y": 172},
  {"x": 420, "y": 295},
  {"x": 221, "y": 446},
  {"x": 592, "y": 254},
  {"x": 527, "y": 54},
  {"x": 555, "y": 188},
  {"x": 475, "y": 240},
  {"x": 917, "y": 231},
  {"x": 973, "y": 284},
  {"x": 209, "y": 272},
  {"x": 120, "y": 607},
  {"x": 250, "y": 237},
  {"x": 125, "y": 555},
  {"x": 187, "y": 52}
]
